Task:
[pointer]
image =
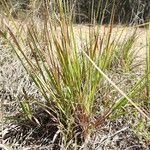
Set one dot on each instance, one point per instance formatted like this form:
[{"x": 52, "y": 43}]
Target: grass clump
[{"x": 68, "y": 75}]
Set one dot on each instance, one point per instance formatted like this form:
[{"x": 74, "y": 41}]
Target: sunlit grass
[
  {"x": 148, "y": 61},
  {"x": 69, "y": 74}
]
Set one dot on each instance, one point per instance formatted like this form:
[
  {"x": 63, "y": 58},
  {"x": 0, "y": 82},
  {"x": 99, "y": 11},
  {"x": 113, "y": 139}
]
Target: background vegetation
[{"x": 126, "y": 11}]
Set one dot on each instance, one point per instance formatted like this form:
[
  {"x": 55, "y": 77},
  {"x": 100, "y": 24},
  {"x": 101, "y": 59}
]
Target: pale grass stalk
[
  {"x": 116, "y": 87},
  {"x": 148, "y": 62}
]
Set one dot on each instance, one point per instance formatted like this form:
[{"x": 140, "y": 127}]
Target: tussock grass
[{"x": 69, "y": 76}]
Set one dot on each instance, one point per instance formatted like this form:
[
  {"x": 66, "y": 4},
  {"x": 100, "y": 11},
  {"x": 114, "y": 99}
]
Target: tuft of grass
[
  {"x": 124, "y": 57},
  {"x": 68, "y": 75}
]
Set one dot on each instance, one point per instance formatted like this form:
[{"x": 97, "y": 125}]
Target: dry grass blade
[
  {"x": 116, "y": 87},
  {"x": 148, "y": 62}
]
